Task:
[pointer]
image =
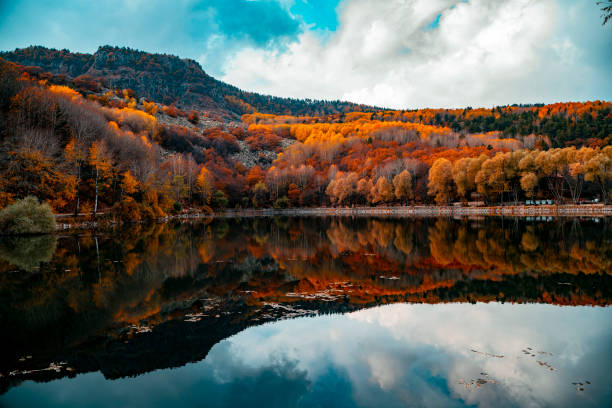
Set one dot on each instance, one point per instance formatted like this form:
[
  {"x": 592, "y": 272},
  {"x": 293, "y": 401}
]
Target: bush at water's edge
[{"x": 27, "y": 216}]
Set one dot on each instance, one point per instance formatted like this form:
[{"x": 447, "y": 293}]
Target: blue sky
[
  {"x": 185, "y": 28},
  {"x": 396, "y": 53}
]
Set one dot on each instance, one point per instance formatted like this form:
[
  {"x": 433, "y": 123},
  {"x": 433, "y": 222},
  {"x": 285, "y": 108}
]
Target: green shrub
[
  {"x": 220, "y": 199},
  {"x": 27, "y": 216},
  {"x": 282, "y": 202}
]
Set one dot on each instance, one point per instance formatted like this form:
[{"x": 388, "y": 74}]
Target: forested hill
[
  {"x": 164, "y": 79},
  {"x": 136, "y": 135}
]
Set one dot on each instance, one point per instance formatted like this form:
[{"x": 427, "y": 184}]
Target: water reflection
[
  {"x": 27, "y": 253},
  {"x": 396, "y": 355},
  {"x": 150, "y": 297}
]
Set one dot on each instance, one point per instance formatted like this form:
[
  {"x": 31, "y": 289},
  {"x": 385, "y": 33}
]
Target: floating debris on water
[
  {"x": 141, "y": 329},
  {"x": 194, "y": 317},
  {"x": 487, "y": 354},
  {"x": 545, "y": 364},
  {"x": 477, "y": 382},
  {"x": 580, "y": 386},
  {"x": 280, "y": 311},
  {"x": 57, "y": 367}
]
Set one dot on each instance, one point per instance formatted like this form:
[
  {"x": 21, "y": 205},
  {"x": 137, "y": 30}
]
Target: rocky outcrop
[{"x": 169, "y": 80}]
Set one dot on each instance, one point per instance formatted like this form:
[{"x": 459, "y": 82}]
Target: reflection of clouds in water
[
  {"x": 397, "y": 355},
  {"x": 403, "y": 353},
  {"x": 220, "y": 381},
  {"x": 384, "y": 369}
]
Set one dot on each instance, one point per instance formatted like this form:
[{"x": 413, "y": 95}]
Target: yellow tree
[
  {"x": 76, "y": 155},
  {"x": 599, "y": 170},
  {"x": 260, "y": 192},
  {"x": 464, "y": 174},
  {"x": 460, "y": 177},
  {"x": 529, "y": 182},
  {"x": 512, "y": 175},
  {"x": 402, "y": 184},
  {"x": 204, "y": 185},
  {"x": 342, "y": 188},
  {"x": 440, "y": 178},
  {"x": 500, "y": 174},
  {"x": 331, "y": 191},
  {"x": 548, "y": 165},
  {"x": 346, "y": 187},
  {"x": 382, "y": 191},
  {"x": 129, "y": 185},
  {"x": 364, "y": 189},
  {"x": 573, "y": 171},
  {"x": 101, "y": 163}
]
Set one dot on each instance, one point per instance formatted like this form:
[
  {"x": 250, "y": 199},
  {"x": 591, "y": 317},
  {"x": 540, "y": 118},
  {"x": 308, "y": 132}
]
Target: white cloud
[
  {"x": 567, "y": 51},
  {"x": 483, "y": 53},
  {"x": 390, "y": 353}
]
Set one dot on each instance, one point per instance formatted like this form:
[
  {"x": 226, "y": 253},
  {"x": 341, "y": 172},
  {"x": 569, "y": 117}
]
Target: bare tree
[{"x": 606, "y": 10}]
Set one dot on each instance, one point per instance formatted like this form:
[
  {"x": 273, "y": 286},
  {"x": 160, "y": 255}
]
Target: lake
[{"x": 310, "y": 312}]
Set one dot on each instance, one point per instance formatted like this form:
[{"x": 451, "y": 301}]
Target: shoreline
[
  {"x": 584, "y": 210},
  {"x": 414, "y": 211}
]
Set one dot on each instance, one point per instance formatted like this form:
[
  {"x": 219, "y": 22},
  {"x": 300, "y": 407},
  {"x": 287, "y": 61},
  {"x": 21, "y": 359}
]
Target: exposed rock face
[
  {"x": 203, "y": 123},
  {"x": 249, "y": 158}
]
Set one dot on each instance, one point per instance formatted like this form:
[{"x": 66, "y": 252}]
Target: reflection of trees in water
[
  {"x": 27, "y": 252},
  {"x": 528, "y": 248},
  {"x": 146, "y": 272},
  {"x": 150, "y": 274}
]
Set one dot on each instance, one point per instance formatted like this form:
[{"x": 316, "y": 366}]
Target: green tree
[
  {"x": 220, "y": 199},
  {"x": 27, "y": 216}
]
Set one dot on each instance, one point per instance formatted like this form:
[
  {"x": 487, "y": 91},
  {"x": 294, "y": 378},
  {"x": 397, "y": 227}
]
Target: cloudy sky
[{"x": 393, "y": 53}]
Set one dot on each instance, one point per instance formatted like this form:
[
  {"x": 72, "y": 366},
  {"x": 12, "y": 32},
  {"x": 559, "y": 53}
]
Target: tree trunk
[
  {"x": 78, "y": 196},
  {"x": 96, "y": 200}
]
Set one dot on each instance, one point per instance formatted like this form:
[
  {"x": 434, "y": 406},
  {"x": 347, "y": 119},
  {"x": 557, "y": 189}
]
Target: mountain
[{"x": 167, "y": 79}]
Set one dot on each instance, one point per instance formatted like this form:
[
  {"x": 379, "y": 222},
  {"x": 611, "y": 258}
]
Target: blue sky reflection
[{"x": 396, "y": 355}]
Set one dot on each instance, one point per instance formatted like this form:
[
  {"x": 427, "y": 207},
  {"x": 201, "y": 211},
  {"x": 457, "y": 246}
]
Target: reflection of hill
[
  {"x": 80, "y": 305},
  {"x": 173, "y": 343}
]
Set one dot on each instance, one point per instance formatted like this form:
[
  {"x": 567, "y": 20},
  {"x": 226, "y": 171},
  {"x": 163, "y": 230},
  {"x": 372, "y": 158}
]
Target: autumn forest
[{"x": 86, "y": 147}]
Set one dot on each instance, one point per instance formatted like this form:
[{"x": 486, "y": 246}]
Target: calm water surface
[{"x": 311, "y": 312}]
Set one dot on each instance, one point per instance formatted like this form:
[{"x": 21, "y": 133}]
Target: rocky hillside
[{"x": 167, "y": 79}]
